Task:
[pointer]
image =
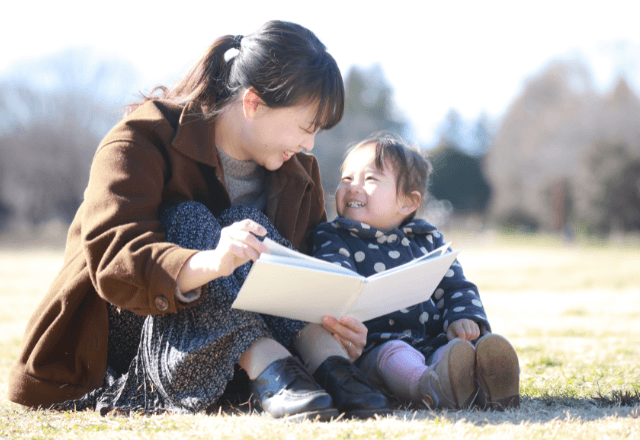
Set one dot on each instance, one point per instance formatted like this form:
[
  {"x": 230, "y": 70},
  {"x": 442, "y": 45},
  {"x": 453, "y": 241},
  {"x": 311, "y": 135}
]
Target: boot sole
[
  {"x": 323, "y": 415},
  {"x": 461, "y": 362},
  {"x": 498, "y": 374}
]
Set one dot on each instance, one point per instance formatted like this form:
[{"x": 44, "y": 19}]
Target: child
[{"x": 423, "y": 353}]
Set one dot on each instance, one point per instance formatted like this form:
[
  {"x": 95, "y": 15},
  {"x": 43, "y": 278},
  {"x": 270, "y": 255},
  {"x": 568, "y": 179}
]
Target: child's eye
[
  {"x": 346, "y": 179},
  {"x": 369, "y": 178}
]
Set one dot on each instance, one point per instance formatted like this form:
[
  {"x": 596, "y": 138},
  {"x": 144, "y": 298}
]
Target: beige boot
[
  {"x": 449, "y": 383},
  {"x": 497, "y": 373}
]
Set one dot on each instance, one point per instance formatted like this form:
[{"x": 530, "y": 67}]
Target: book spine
[{"x": 354, "y": 299}]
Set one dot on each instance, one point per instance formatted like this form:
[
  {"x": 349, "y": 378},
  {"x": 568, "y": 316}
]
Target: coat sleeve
[
  {"x": 130, "y": 264},
  {"x": 456, "y": 297},
  {"x": 327, "y": 245}
]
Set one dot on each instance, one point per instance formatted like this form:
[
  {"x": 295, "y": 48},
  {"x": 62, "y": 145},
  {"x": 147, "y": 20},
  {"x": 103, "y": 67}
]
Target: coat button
[{"x": 162, "y": 303}]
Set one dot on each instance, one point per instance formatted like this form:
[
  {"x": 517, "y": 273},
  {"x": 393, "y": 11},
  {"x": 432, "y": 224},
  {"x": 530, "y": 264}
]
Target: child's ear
[
  {"x": 250, "y": 103},
  {"x": 410, "y": 203}
]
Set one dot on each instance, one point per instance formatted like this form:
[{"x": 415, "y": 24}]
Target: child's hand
[
  {"x": 349, "y": 332},
  {"x": 464, "y": 329}
]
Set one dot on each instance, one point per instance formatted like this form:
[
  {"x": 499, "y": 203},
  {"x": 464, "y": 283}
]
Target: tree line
[{"x": 563, "y": 158}]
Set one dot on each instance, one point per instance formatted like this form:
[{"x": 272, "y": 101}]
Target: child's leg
[
  {"x": 399, "y": 367},
  {"x": 333, "y": 371},
  {"x": 497, "y": 373},
  {"x": 449, "y": 381},
  {"x": 315, "y": 344}
]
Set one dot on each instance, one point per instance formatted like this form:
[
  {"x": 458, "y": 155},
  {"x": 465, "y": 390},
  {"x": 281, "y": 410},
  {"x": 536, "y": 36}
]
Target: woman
[{"x": 179, "y": 191}]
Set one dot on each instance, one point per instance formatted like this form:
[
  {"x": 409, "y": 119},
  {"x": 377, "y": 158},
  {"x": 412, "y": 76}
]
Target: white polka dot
[
  {"x": 456, "y": 264},
  {"x": 449, "y": 273},
  {"x": 405, "y": 241},
  {"x": 476, "y": 302},
  {"x": 458, "y": 309},
  {"x": 456, "y": 295},
  {"x": 430, "y": 239},
  {"x": 445, "y": 312},
  {"x": 335, "y": 225},
  {"x": 481, "y": 317},
  {"x": 391, "y": 322},
  {"x": 365, "y": 226},
  {"x": 436, "y": 317},
  {"x": 439, "y": 293},
  {"x": 353, "y": 230},
  {"x": 424, "y": 250},
  {"x": 359, "y": 256},
  {"x": 373, "y": 246},
  {"x": 379, "y": 267},
  {"x": 407, "y": 332},
  {"x": 322, "y": 232},
  {"x": 440, "y": 304},
  {"x": 385, "y": 335},
  {"x": 446, "y": 325},
  {"x": 379, "y": 234},
  {"x": 408, "y": 230},
  {"x": 325, "y": 244},
  {"x": 394, "y": 254},
  {"x": 423, "y": 318},
  {"x": 471, "y": 292},
  {"x": 392, "y": 238},
  {"x": 353, "y": 234},
  {"x": 344, "y": 252},
  {"x": 382, "y": 239},
  {"x": 404, "y": 310}
]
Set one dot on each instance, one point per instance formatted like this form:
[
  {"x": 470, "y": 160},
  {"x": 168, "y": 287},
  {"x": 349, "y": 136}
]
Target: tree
[
  {"x": 369, "y": 108},
  {"x": 458, "y": 178}
]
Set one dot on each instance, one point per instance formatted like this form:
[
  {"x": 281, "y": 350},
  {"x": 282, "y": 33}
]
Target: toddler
[{"x": 439, "y": 352}]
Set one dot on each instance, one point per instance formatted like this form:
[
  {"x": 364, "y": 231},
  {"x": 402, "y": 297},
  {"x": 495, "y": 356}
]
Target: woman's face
[{"x": 277, "y": 134}]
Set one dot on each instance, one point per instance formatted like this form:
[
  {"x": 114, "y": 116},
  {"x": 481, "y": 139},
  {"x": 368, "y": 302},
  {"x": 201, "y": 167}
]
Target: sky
[{"x": 471, "y": 56}]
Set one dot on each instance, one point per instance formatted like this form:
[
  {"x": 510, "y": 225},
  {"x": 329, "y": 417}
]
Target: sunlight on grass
[{"x": 573, "y": 325}]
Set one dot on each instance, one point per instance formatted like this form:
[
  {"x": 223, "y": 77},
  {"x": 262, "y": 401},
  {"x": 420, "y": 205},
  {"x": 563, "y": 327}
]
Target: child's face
[{"x": 368, "y": 195}]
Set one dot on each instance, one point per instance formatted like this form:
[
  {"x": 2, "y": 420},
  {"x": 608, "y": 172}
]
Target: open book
[{"x": 293, "y": 285}]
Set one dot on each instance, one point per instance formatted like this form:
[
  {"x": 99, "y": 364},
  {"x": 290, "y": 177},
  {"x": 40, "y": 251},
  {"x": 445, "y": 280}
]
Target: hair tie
[{"x": 236, "y": 41}]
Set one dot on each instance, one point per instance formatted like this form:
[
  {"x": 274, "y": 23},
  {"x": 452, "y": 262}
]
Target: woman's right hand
[{"x": 238, "y": 244}]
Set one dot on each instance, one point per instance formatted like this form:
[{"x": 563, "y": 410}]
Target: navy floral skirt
[{"x": 184, "y": 361}]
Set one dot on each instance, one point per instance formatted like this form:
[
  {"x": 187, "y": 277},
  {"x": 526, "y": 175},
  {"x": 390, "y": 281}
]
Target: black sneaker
[
  {"x": 352, "y": 394},
  {"x": 287, "y": 390}
]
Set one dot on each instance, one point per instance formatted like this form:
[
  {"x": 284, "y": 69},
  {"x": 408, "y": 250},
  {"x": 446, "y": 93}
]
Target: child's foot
[
  {"x": 497, "y": 373},
  {"x": 449, "y": 382}
]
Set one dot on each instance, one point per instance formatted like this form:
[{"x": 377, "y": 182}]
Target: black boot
[
  {"x": 287, "y": 390},
  {"x": 352, "y": 394}
]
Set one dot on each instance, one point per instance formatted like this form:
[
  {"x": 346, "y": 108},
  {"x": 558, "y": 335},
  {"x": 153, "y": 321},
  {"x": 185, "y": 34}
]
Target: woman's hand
[
  {"x": 349, "y": 332},
  {"x": 464, "y": 329},
  {"x": 238, "y": 244}
]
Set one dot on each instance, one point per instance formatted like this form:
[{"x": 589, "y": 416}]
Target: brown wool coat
[{"x": 116, "y": 252}]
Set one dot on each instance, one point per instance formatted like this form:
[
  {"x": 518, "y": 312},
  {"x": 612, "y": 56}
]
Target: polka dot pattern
[
  {"x": 373, "y": 251},
  {"x": 379, "y": 267}
]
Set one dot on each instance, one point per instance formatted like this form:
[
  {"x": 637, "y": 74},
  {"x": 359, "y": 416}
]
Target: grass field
[{"x": 571, "y": 310}]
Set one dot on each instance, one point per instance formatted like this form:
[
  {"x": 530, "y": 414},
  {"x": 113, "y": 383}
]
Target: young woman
[{"x": 179, "y": 192}]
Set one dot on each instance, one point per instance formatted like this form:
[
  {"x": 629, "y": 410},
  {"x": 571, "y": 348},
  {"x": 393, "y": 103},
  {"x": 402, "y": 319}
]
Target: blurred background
[{"x": 528, "y": 111}]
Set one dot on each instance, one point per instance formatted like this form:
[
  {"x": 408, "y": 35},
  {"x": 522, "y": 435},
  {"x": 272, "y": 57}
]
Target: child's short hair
[{"x": 410, "y": 164}]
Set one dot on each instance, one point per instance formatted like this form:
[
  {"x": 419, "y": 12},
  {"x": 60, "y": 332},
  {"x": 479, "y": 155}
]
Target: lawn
[{"x": 571, "y": 310}]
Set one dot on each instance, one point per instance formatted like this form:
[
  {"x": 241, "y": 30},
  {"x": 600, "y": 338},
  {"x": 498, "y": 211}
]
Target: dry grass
[{"x": 572, "y": 312}]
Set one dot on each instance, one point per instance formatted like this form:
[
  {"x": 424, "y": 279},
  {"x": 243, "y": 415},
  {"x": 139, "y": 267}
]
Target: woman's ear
[
  {"x": 250, "y": 103},
  {"x": 410, "y": 203}
]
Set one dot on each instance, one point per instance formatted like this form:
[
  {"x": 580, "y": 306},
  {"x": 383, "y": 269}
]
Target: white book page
[
  {"x": 297, "y": 293},
  {"x": 300, "y": 259},
  {"x": 433, "y": 254},
  {"x": 394, "y": 290}
]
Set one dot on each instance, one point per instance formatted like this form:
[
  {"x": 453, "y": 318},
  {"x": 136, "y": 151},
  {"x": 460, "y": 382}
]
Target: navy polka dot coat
[{"x": 367, "y": 251}]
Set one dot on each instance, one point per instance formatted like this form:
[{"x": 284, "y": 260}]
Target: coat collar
[{"x": 363, "y": 230}]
